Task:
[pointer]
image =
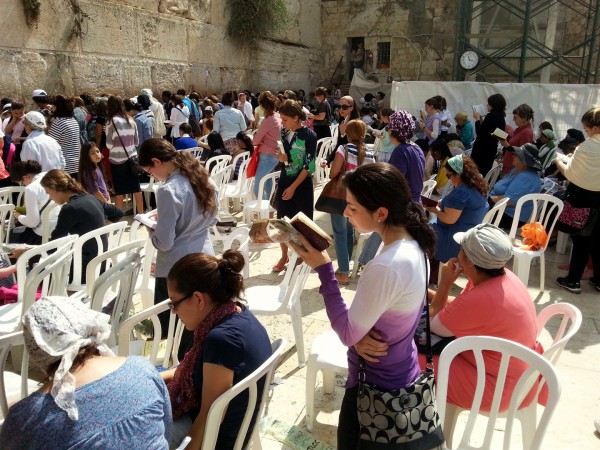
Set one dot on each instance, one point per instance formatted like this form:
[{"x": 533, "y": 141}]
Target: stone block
[
  {"x": 208, "y": 44},
  {"x": 136, "y": 77},
  {"x": 162, "y": 37},
  {"x": 9, "y": 75},
  {"x": 97, "y": 74},
  {"x": 168, "y": 76},
  {"x": 115, "y": 33}
]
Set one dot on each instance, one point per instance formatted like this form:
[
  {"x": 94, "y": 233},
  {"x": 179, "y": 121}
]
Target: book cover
[
  {"x": 148, "y": 219},
  {"x": 285, "y": 230},
  {"x": 500, "y": 134},
  {"x": 426, "y": 201},
  {"x": 481, "y": 109}
]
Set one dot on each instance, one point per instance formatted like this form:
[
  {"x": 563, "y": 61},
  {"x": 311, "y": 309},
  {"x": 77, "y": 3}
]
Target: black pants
[
  {"x": 348, "y": 428},
  {"x": 583, "y": 248},
  {"x": 160, "y": 294}
]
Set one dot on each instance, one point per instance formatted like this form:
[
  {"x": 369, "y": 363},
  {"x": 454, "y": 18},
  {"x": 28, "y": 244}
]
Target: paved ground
[{"x": 572, "y": 424}]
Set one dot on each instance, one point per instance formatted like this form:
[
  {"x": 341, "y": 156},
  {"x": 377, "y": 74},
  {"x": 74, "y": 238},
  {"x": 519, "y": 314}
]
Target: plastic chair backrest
[
  {"x": 112, "y": 232},
  {"x": 243, "y": 156},
  {"x": 547, "y": 186},
  {"x": 546, "y": 209},
  {"x": 492, "y": 176},
  {"x": 428, "y": 187},
  {"x": 570, "y": 322},
  {"x": 261, "y": 188},
  {"x": 194, "y": 151},
  {"x": 494, "y": 215},
  {"x": 240, "y": 183},
  {"x": 6, "y": 195},
  {"x": 217, "y": 163},
  {"x": 173, "y": 333},
  {"x": 6, "y": 343},
  {"x": 250, "y": 384},
  {"x": 539, "y": 371},
  {"x": 6, "y": 221},
  {"x": 51, "y": 210}
]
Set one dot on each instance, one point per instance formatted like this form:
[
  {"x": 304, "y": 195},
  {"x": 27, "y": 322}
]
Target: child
[
  {"x": 245, "y": 145},
  {"x": 91, "y": 172}
]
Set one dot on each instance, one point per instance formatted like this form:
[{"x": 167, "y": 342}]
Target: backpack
[{"x": 194, "y": 122}]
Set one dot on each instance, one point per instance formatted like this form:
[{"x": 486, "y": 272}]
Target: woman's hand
[
  {"x": 17, "y": 252},
  {"x": 311, "y": 256},
  {"x": 504, "y": 143},
  {"x": 342, "y": 128},
  {"x": 449, "y": 271},
  {"x": 476, "y": 116},
  {"x": 288, "y": 193},
  {"x": 16, "y": 215},
  {"x": 422, "y": 125},
  {"x": 282, "y": 157},
  {"x": 434, "y": 209},
  {"x": 371, "y": 346}
]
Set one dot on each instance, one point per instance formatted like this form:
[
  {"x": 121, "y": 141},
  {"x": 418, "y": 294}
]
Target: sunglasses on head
[{"x": 345, "y": 107}]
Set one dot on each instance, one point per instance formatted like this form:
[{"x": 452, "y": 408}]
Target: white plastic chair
[
  {"x": 546, "y": 209},
  {"x": 6, "y": 195},
  {"x": 547, "y": 186},
  {"x": 360, "y": 243},
  {"x": 217, "y": 163},
  {"x": 255, "y": 403},
  {"x": 492, "y": 176},
  {"x": 260, "y": 206},
  {"x": 196, "y": 152},
  {"x": 283, "y": 299},
  {"x": 128, "y": 346},
  {"x": 239, "y": 239},
  {"x": 570, "y": 322},
  {"x": 50, "y": 214},
  {"x": 148, "y": 189},
  {"x": 6, "y": 221},
  {"x": 494, "y": 215},
  {"x": 323, "y": 148},
  {"x": 428, "y": 187},
  {"x": 244, "y": 156},
  {"x": 145, "y": 283},
  {"x": 51, "y": 272},
  {"x": 328, "y": 355},
  {"x": 538, "y": 366},
  {"x": 221, "y": 177},
  {"x": 238, "y": 189},
  {"x": 112, "y": 232}
]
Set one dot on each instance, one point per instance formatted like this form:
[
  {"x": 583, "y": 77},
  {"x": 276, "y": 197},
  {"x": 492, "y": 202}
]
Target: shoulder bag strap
[
  {"x": 121, "y": 140},
  {"x": 187, "y": 117},
  {"x": 428, "y": 354}
]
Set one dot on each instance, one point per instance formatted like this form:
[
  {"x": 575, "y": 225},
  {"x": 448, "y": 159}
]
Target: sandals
[
  {"x": 280, "y": 266},
  {"x": 342, "y": 282}
]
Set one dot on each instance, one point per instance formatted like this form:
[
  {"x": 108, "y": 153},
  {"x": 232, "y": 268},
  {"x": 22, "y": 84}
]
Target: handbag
[
  {"x": 572, "y": 219},
  {"x": 134, "y": 165},
  {"x": 403, "y": 419},
  {"x": 253, "y": 164},
  {"x": 333, "y": 197}
]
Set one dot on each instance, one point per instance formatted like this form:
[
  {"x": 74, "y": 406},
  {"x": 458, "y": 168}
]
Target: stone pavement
[{"x": 571, "y": 426}]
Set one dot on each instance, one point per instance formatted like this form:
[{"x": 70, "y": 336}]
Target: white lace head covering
[{"x": 55, "y": 329}]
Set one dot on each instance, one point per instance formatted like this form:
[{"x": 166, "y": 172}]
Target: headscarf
[
  {"x": 402, "y": 123},
  {"x": 55, "y": 329},
  {"x": 456, "y": 163}
]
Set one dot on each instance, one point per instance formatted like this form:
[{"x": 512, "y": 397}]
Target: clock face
[{"x": 469, "y": 60}]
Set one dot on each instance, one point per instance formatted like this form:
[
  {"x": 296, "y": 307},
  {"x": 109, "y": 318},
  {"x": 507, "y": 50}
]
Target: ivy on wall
[
  {"x": 253, "y": 20},
  {"x": 32, "y": 11}
]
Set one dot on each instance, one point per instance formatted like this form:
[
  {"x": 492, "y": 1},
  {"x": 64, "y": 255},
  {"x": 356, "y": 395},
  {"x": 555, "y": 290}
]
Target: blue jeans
[
  {"x": 343, "y": 238},
  {"x": 370, "y": 249},
  {"x": 266, "y": 164}
]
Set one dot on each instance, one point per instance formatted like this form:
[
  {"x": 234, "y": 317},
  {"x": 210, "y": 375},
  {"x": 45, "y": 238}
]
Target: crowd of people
[{"x": 84, "y": 152}]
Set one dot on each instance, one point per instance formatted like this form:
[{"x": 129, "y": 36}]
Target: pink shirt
[
  {"x": 520, "y": 136},
  {"x": 267, "y": 135}
]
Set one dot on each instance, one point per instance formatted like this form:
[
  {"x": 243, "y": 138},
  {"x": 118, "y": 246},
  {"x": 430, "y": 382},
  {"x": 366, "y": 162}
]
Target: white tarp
[
  {"x": 560, "y": 104},
  {"x": 361, "y": 86}
]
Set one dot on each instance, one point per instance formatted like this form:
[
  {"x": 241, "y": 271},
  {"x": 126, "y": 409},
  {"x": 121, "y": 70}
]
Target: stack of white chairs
[
  {"x": 237, "y": 190},
  {"x": 217, "y": 163},
  {"x": 148, "y": 189},
  {"x": 261, "y": 207}
]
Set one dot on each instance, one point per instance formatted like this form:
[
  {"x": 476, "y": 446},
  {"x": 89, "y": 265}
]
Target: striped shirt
[
  {"x": 352, "y": 162},
  {"x": 67, "y": 133},
  {"x": 124, "y": 147}
]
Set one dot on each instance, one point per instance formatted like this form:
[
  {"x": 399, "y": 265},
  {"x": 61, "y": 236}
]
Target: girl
[
  {"x": 265, "y": 139},
  {"x": 245, "y": 145},
  {"x": 91, "y": 172},
  {"x": 431, "y": 119},
  {"x": 295, "y": 190},
  {"x": 351, "y": 155}
]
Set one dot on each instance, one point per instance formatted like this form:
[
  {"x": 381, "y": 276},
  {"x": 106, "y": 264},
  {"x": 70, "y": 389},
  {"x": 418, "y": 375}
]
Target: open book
[
  {"x": 148, "y": 219},
  {"x": 285, "y": 230},
  {"x": 481, "y": 109},
  {"x": 500, "y": 134}
]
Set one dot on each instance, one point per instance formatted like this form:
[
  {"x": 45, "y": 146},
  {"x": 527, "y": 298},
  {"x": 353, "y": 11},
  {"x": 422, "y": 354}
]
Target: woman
[
  {"x": 80, "y": 213},
  {"x": 229, "y": 344},
  {"x": 464, "y": 128},
  {"x": 582, "y": 170},
  {"x": 523, "y": 179},
  {"x": 391, "y": 291},
  {"x": 65, "y": 130},
  {"x": 180, "y": 113},
  {"x": 244, "y": 143},
  {"x": 547, "y": 149},
  {"x": 431, "y": 119},
  {"x": 79, "y": 114},
  {"x": 186, "y": 205},
  {"x": 29, "y": 174},
  {"x": 265, "y": 140},
  {"x": 462, "y": 209},
  {"x": 347, "y": 111},
  {"x": 485, "y": 146},
  {"x": 523, "y": 134},
  {"x": 122, "y": 142},
  {"x": 441, "y": 154},
  {"x": 322, "y": 114},
  {"x": 229, "y": 122},
  {"x": 295, "y": 190},
  {"x": 386, "y": 146},
  {"x": 352, "y": 155},
  {"x": 90, "y": 398}
]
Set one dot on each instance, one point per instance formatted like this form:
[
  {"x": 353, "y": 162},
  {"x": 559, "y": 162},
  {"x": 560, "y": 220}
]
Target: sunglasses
[
  {"x": 345, "y": 107},
  {"x": 174, "y": 304}
]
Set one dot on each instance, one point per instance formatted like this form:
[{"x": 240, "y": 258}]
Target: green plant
[
  {"x": 253, "y": 20},
  {"x": 32, "y": 11}
]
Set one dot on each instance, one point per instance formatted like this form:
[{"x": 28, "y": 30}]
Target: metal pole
[
  {"x": 525, "y": 42},
  {"x": 592, "y": 44},
  {"x": 459, "y": 41}
]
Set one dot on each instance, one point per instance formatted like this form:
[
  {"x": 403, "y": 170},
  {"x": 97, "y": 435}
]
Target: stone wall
[{"x": 121, "y": 46}]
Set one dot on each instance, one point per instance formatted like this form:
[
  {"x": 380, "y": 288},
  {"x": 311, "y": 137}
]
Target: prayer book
[
  {"x": 426, "y": 201},
  {"x": 285, "y": 230},
  {"x": 148, "y": 219},
  {"x": 481, "y": 109},
  {"x": 500, "y": 134}
]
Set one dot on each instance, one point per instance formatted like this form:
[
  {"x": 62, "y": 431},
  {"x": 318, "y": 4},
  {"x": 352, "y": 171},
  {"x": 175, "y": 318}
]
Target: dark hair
[
  {"x": 524, "y": 111},
  {"x": 471, "y": 175},
  {"x": 220, "y": 278},
  {"x": 440, "y": 145},
  {"x": 364, "y": 111},
  {"x": 442, "y": 101},
  {"x": 78, "y": 102},
  {"x": 591, "y": 118},
  {"x": 129, "y": 105},
  {"x": 176, "y": 100},
  {"x": 269, "y": 102},
  {"x": 181, "y": 92},
  {"x": 16, "y": 106},
  {"x": 498, "y": 103},
  {"x": 291, "y": 95},
  {"x": 387, "y": 112},
  {"x": 215, "y": 141},
  {"x": 61, "y": 181},
  {"x": 434, "y": 103},
  {"x": 102, "y": 108},
  {"x": 166, "y": 94},
  {"x": 423, "y": 145},
  {"x": 492, "y": 273},
  {"x": 228, "y": 98},
  {"x": 248, "y": 146},
  {"x": 381, "y": 95},
  {"x": 5, "y": 101},
  {"x": 188, "y": 165},
  {"x": 321, "y": 91},
  {"x": 576, "y": 134},
  {"x": 21, "y": 168},
  {"x": 368, "y": 97},
  {"x": 144, "y": 101},
  {"x": 209, "y": 121},
  {"x": 292, "y": 108},
  {"x": 116, "y": 107},
  {"x": 186, "y": 128},
  {"x": 194, "y": 96},
  {"x": 63, "y": 106},
  {"x": 451, "y": 137},
  {"x": 85, "y": 353},
  {"x": 87, "y": 98},
  {"x": 381, "y": 185},
  {"x": 87, "y": 169},
  {"x": 545, "y": 125}
]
